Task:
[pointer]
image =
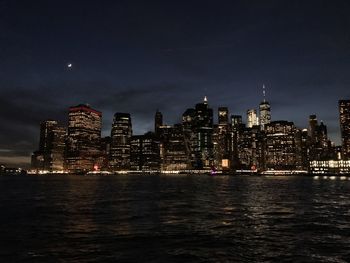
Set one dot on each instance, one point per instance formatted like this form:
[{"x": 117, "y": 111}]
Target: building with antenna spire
[
  {"x": 205, "y": 100},
  {"x": 264, "y": 111},
  {"x": 198, "y": 128}
]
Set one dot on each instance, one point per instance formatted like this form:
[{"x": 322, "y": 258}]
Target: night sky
[{"x": 139, "y": 56}]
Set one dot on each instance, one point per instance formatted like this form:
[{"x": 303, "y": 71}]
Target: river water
[{"x": 174, "y": 219}]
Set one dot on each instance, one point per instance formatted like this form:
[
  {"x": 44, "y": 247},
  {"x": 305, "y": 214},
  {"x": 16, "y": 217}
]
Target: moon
[{"x": 69, "y": 65}]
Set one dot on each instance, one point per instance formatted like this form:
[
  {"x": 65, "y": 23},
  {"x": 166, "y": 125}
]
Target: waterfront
[{"x": 134, "y": 218}]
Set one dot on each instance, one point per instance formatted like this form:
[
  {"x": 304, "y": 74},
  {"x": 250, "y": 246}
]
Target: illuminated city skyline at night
[{"x": 139, "y": 57}]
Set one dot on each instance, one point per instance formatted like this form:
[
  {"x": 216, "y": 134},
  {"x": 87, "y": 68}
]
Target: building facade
[
  {"x": 120, "y": 142},
  {"x": 145, "y": 152},
  {"x": 172, "y": 148},
  {"x": 158, "y": 121},
  {"x": 344, "y": 117},
  {"x": 50, "y": 155},
  {"x": 265, "y": 114},
  {"x": 252, "y": 118},
  {"x": 280, "y": 153},
  {"x": 84, "y": 137},
  {"x": 198, "y": 132}
]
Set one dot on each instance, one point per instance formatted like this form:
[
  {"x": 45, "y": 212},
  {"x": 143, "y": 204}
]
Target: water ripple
[{"x": 176, "y": 218}]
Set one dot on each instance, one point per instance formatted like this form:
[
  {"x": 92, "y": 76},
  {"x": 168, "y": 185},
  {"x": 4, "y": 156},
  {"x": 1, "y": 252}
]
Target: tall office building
[
  {"x": 312, "y": 131},
  {"x": 189, "y": 136},
  {"x": 144, "y": 152},
  {"x": 203, "y": 129},
  {"x": 221, "y": 140},
  {"x": 84, "y": 137},
  {"x": 46, "y": 128},
  {"x": 319, "y": 146},
  {"x": 173, "y": 149},
  {"x": 252, "y": 118},
  {"x": 105, "y": 152},
  {"x": 50, "y": 155},
  {"x": 236, "y": 120},
  {"x": 198, "y": 130},
  {"x": 302, "y": 149},
  {"x": 280, "y": 145},
  {"x": 344, "y": 116},
  {"x": 59, "y": 136},
  {"x": 223, "y": 116},
  {"x": 120, "y": 144},
  {"x": 158, "y": 121},
  {"x": 264, "y": 112},
  {"x": 237, "y": 126}
]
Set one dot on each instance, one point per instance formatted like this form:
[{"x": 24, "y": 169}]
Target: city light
[{"x": 262, "y": 146}]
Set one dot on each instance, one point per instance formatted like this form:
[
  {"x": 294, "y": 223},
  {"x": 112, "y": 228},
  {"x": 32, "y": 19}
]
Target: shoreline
[{"x": 182, "y": 173}]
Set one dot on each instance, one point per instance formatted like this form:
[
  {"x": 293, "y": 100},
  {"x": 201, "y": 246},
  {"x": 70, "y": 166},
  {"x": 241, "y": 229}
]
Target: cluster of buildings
[{"x": 196, "y": 143}]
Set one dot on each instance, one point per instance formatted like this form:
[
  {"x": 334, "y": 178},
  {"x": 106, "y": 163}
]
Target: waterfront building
[
  {"x": 105, "y": 144},
  {"x": 188, "y": 118},
  {"x": 302, "y": 149},
  {"x": 330, "y": 167},
  {"x": 344, "y": 117},
  {"x": 37, "y": 160},
  {"x": 50, "y": 155},
  {"x": 120, "y": 142},
  {"x": 84, "y": 138},
  {"x": 59, "y": 137},
  {"x": 236, "y": 128},
  {"x": 319, "y": 146},
  {"x": 173, "y": 149},
  {"x": 280, "y": 146},
  {"x": 46, "y": 128},
  {"x": 198, "y": 129},
  {"x": 145, "y": 152},
  {"x": 250, "y": 144},
  {"x": 222, "y": 140}
]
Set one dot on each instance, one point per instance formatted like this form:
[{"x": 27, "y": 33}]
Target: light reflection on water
[{"x": 173, "y": 218}]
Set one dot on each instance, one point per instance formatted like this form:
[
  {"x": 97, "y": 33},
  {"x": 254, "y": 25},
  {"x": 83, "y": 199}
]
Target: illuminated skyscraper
[
  {"x": 59, "y": 136},
  {"x": 223, "y": 116},
  {"x": 281, "y": 145},
  {"x": 221, "y": 140},
  {"x": 302, "y": 149},
  {"x": 344, "y": 116},
  {"x": 84, "y": 137},
  {"x": 120, "y": 145},
  {"x": 203, "y": 129},
  {"x": 265, "y": 112},
  {"x": 189, "y": 135},
  {"x": 145, "y": 152},
  {"x": 319, "y": 146},
  {"x": 198, "y": 131},
  {"x": 236, "y": 120},
  {"x": 248, "y": 152},
  {"x": 173, "y": 150},
  {"x": 252, "y": 118}
]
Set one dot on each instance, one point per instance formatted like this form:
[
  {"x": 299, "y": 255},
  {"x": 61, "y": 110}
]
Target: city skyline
[
  {"x": 106, "y": 131},
  {"x": 196, "y": 143},
  {"x": 140, "y": 57}
]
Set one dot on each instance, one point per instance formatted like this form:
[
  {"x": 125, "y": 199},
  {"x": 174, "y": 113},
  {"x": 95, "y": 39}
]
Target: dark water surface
[{"x": 174, "y": 219}]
